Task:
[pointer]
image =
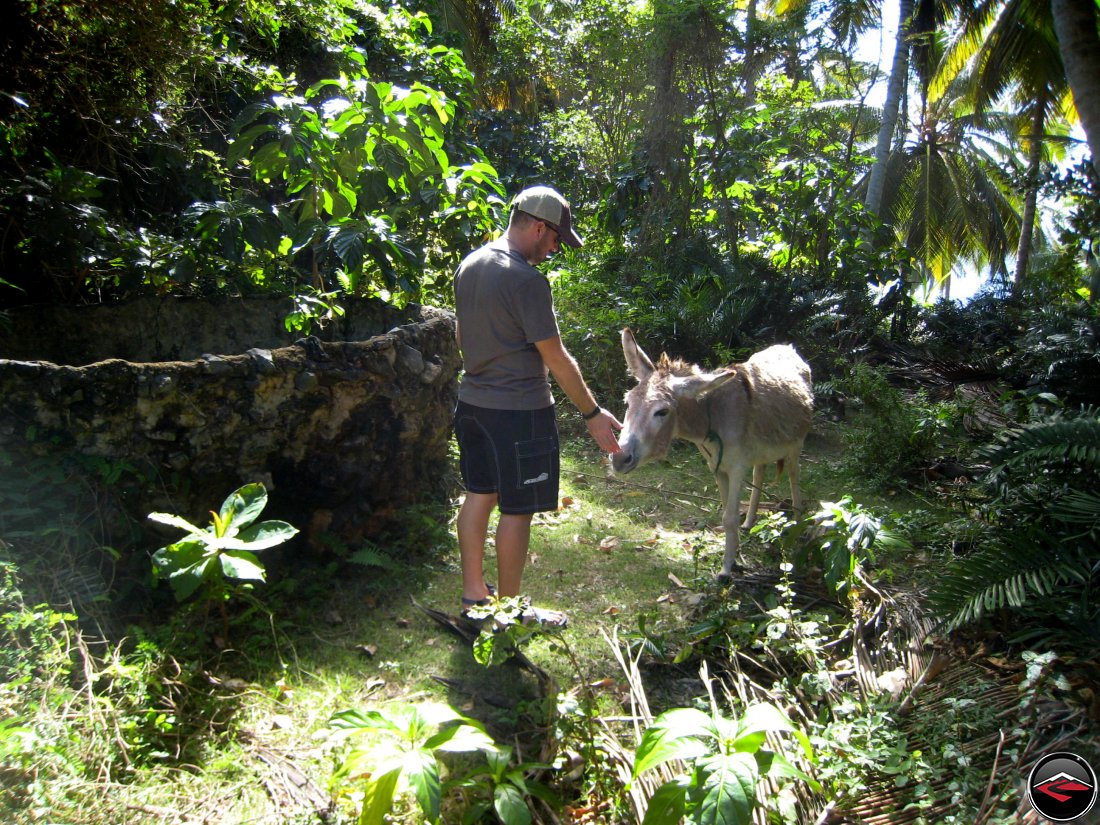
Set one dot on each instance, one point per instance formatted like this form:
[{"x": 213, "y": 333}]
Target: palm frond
[
  {"x": 1007, "y": 576},
  {"x": 1050, "y": 444},
  {"x": 1078, "y": 507}
]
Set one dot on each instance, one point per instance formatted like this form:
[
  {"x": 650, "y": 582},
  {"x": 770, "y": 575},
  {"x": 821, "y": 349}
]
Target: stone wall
[{"x": 345, "y": 429}]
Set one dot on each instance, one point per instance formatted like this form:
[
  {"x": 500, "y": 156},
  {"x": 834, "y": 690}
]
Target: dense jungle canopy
[{"x": 727, "y": 154}]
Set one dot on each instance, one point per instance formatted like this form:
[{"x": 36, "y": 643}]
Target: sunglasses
[{"x": 553, "y": 228}]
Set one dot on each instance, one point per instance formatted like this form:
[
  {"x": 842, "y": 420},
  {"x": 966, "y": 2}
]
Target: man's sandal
[
  {"x": 551, "y": 619},
  {"x": 531, "y": 616},
  {"x": 468, "y": 603}
]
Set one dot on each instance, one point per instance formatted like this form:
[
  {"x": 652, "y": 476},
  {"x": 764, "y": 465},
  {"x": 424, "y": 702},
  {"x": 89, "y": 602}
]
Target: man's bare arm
[{"x": 564, "y": 368}]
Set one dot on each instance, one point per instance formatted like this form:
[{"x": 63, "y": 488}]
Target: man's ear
[
  {"x": 636, "y": 360},
  {"x": 698, "y": 387}
]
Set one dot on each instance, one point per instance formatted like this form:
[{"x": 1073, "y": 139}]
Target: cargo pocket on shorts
[{"x": 535, "y": 461}]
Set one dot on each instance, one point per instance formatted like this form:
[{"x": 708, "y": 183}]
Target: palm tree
[
  {"x": 895, "y": 90},
  {"x": 1075, "y": 24},
  {"x": 946, "y": 192},
  {"x": 1010, "y": 52}
]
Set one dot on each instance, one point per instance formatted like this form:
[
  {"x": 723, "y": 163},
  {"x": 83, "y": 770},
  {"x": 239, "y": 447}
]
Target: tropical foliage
[
  {"x": 1043, "y": 558},
  {"x": 211, "y": 559}
]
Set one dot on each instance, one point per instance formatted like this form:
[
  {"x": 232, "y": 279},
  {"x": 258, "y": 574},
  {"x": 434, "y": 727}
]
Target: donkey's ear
[
  {"x": 698, "y": 387},
  {"x": 636, "y": 360}
]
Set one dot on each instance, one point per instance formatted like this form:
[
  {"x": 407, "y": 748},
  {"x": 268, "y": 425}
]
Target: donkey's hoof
[{"x": 726, "y": 576}]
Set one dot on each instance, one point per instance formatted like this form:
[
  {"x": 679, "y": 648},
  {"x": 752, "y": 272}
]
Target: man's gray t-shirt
[{"x": 504, "y": 306}]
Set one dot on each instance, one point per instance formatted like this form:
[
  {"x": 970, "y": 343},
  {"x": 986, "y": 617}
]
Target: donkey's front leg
[{"x": 731, "y": 522}]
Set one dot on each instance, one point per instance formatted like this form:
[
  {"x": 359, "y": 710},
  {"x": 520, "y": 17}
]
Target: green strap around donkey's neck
[{"x": 711, "y": 433}]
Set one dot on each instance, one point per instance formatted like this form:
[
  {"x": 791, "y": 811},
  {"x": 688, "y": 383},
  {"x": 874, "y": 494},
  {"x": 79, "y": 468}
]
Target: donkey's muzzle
[{"x": 625, "y": 460}]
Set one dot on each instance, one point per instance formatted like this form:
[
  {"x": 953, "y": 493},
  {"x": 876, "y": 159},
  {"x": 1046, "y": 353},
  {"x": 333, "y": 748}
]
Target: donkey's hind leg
[
  {"x": 791, "y": 466},
  {"x": 754, "y": 498}
]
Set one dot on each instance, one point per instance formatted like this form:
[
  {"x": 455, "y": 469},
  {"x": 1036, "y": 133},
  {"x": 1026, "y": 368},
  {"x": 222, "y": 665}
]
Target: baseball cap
[{"x": 546, "y": 204}]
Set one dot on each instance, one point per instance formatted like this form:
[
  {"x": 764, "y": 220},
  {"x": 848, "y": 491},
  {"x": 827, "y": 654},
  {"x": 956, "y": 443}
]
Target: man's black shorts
[{"x": 513, "y": 453}]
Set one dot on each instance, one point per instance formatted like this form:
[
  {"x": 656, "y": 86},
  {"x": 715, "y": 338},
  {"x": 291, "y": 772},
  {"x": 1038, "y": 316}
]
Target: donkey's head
[{"x": 650, "y": 421}]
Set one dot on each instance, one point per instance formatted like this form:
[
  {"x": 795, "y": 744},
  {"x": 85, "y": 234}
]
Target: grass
[{"x": 351, "y": 636}]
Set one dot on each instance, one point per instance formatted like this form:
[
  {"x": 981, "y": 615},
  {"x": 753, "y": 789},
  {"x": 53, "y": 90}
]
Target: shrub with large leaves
[
  {"x": 726, "y": 758},
  {"x": 398, "y": 747},
  {"x": 223, "y": 552},
  {"x": 356, "y": 179}
]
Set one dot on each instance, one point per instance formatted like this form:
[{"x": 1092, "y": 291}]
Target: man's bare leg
[
  {"x": 473, "y": 529},
  {"x": 513, "y": 539}
]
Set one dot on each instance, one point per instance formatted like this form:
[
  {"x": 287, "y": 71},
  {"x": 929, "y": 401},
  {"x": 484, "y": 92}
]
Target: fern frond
[
  {"x": 1078, "y": 507},
  {"x": 1005, "y": 576},
  {"x": 1050, "y": 444}
]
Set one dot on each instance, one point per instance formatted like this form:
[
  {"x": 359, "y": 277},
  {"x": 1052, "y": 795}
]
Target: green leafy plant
[
  {"x": 849, "y": 536},
  {"x": 361, "y": 169},
  {"x": 504, "y": 788},
  {"x": 726, "y": 758},
  {"x": 503, "y": 630},
  {"x": 860, "y": 739},
  {"x": 893, "y": 433},
  {"x": 312, "y": 307},
  {"x": 399, "y": 747},
  {"x": 1038, "y": 555},
  {"x": 225, "y": 551}
]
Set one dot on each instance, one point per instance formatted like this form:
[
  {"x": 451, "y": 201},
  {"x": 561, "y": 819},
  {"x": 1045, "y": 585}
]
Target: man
[{"x": 504, "y": 422}]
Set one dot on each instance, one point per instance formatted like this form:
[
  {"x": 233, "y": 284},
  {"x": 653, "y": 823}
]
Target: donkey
[{"x": 746, "y": 415}]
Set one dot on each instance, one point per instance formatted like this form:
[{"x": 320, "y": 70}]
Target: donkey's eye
[{"x": 661, "y": 413}]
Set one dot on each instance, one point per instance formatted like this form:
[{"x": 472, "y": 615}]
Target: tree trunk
[
  {"x": 753, "y": 63},
  {"x": 899, "y": 76},
  {"x": 1031, "y": 192},
  {"x": 1075, "y": 26}
]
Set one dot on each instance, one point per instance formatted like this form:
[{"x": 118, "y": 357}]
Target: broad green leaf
[
  {"x": 243, "y": 505},
  {"x": 498, "y": 761},
  {"x": 349, "y": 244},
  {"x": 438, "y": 713},
  {"x": 240, "y": 564},
  {"x": 764, "y": 718},
  {"x": 269, "y": 162},
  {"x": 687, "y": 722},
  {"x": 510, "y": 805},
  {"x": 348, "y": 194},
  {"x": 483, "y": 648},
  {"x": 771, "y": 763},
  {"x": 668, "y": 803},
  {"x": 242, "y": 144},
  {"x": 186, "y": 581},
  {"x": 341, "y": 83},
  {"x": 378, "y": 797},
  {"x": 673, "y": 735},
  {"x": 728, "y": 791},
  {"x": 177, "y": 556},
  {"x": 750, "y": 743},
  {"x": 175, "y": 521},
  {"x": 263, "y": 535},
  {"x": 422, "y": 773},
  {"x": 361, "y": 720},
  {"x": 461, "y": 739}
]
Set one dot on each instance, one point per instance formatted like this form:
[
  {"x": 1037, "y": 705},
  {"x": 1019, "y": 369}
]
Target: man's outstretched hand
[{"x": 603, "y": 428}]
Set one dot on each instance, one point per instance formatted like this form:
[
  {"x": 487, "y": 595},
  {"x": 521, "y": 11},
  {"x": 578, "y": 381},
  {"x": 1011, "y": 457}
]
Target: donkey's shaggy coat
[{"x": 746, "y": 415}]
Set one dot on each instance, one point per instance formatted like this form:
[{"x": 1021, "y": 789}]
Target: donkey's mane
[{"x": 674, "y": 367}]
